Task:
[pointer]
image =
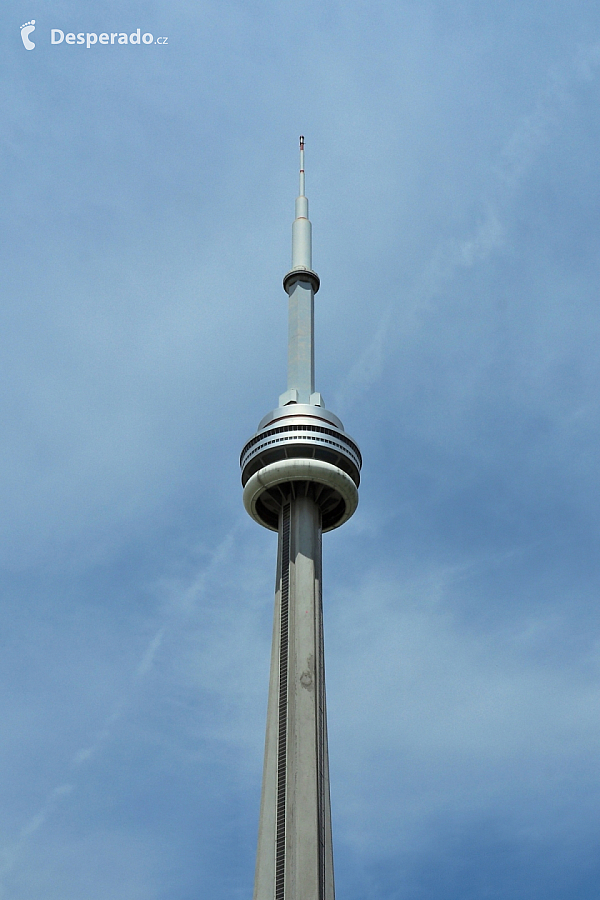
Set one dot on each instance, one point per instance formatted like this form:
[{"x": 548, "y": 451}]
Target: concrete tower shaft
[
  {"x": 300, "y": 474},
  {"x": 295, "y": 856}
]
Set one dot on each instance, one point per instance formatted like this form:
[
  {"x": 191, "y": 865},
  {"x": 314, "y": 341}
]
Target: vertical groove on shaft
[
  {"x": 321, "y": 731},
  {"x": 283, "y": 703}
]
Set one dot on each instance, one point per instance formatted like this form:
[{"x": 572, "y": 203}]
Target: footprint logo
[{"x": 26, "y": 30}]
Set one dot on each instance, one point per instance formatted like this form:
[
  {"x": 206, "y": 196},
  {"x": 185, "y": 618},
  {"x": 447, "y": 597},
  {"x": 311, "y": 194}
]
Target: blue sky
[{"x": 147, "y": 198}]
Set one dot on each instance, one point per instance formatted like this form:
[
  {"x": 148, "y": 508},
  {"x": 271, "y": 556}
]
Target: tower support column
[{"x": 295, "y": 857}]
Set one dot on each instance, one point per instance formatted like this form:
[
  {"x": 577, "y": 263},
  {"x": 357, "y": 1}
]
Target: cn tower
[{"x": 300, "y": 474}]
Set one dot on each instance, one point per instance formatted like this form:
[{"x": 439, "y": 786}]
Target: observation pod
[
  {"x": 301, "y": 450},
  {"x": 300, "y": 474}
]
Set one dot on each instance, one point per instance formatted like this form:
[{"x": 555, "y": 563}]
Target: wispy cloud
[{"x": 531, "y": 134}]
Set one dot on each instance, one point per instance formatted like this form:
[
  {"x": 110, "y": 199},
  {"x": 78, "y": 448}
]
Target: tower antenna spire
[
  {"x": 301, "y": 165},
  {"x": 302, "y": 229},
  {"x": 301, "y": 284}
]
